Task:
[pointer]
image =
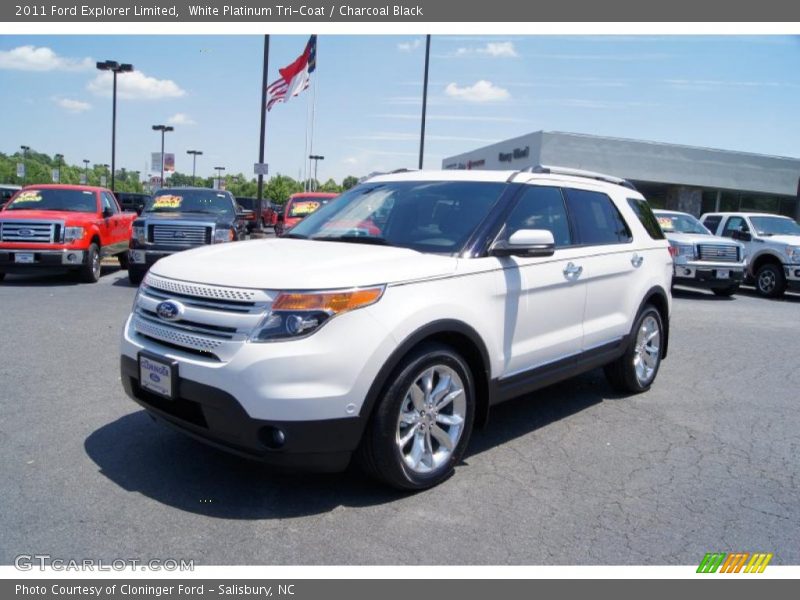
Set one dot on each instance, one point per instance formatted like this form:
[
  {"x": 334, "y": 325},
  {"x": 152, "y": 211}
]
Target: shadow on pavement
[
  {"x": 51, "y": 278},
  {"x": 152, "y": 459}
]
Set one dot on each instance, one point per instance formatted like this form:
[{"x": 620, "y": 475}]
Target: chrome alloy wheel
[
  {"x": 431, "y": 419},
  {"x": 767, "y": 281},
  {"x": 647, "y": 352},
  {"x": 96, "y": 265}
]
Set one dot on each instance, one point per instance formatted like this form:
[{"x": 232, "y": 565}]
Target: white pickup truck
[
  {"x": 702, "y": 259},
  {"x": 773, "y": 248}
]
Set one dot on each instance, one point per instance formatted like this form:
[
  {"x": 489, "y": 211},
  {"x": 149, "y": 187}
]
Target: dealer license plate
[
  {"x": 723, "y": 274},
  {"x": 157, "y": 377},
  {"x": 23, "y": 257}
]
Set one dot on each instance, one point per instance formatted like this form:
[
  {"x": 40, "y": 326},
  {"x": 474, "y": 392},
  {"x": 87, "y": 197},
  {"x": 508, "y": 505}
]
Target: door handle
[
  {"x": 637, "y": 260},
  {"x": 572, "y": 271}
]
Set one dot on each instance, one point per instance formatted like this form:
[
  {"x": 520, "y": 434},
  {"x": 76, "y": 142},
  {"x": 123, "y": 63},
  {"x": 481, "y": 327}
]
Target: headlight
[
  {"x": 223, "y": 235},
  {"x": 73, "y": 234},
  {"x": 793, "y": 252},
  {"x": 299, "y": 314},
  {"x": 686, "y": 250},
  {"x": 139, "y": 233}
]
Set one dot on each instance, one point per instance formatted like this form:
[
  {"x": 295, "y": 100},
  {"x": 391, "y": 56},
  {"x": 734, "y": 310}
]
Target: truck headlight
[
  {"x": 686, "y": 250},
  {"x": 223, "y": 235},
  {"x": 793, "y": 252},
  {"x": 73, "y": 234},
  {"x": 139, "y": 233},
  {"x": 298, "y": 314}
]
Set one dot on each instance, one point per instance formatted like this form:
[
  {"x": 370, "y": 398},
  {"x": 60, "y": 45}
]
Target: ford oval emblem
[
  {"x": 179, "y": 234},
  {"x": 169, "y": 310},
  {"x": 25, "y": 232}
]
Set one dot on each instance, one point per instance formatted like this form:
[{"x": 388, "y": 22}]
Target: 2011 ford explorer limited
[{"x": 392, "y": 346}]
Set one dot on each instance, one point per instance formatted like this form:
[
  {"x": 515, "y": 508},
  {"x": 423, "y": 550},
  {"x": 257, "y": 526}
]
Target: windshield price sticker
[
  {"x": 28, "y": 196},
  {"x": 168, "y": 201},
  {"x": 304, "y": 208},
  {"x": 666, "y": 223}
]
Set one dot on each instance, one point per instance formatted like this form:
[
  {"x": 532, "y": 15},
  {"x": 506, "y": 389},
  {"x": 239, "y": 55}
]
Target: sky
[{"x": 728, "y": 92}]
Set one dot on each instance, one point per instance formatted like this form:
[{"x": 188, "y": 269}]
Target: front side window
[
  {"x": 735, "y": 224},
  {"x": 596, "y": 221},
  {"x": 54, "y": 199},
  {"x": 108, "y": 203},
  {"x": 427, "y": 216},
  {"x": 541, "y": 207}
]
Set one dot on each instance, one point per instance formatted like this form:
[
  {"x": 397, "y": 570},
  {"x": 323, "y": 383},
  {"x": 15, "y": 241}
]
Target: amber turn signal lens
[{"x": 332, "y": 302}]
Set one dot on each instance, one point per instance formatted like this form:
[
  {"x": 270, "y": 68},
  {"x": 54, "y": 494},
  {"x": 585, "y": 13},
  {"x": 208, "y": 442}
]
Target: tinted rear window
[
  {"x": 712, "y": 223},
  {"x": 595, "y": 219},
  {"x": 647, "y": 218}
]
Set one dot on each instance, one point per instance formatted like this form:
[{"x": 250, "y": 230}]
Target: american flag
[{"x": 295, "y": 77}]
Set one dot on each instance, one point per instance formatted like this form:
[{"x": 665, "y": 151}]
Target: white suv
[{"x": 386, "y": 324}]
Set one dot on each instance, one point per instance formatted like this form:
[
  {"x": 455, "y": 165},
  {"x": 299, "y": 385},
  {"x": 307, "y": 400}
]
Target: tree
[
  {"x": 331, "y": 186},
  {"x": 348, "y": 182}
]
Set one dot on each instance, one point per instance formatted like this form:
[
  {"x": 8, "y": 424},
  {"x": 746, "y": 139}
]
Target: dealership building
[{"x": 687, "y": 178}]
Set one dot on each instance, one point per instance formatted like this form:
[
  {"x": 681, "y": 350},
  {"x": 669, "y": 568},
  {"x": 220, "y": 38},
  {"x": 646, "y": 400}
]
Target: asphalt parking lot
[{"x": 708, "y": 460}]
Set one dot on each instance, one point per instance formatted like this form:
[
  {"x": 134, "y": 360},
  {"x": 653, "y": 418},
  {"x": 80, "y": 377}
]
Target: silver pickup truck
[{"x": 700, "y": 258}]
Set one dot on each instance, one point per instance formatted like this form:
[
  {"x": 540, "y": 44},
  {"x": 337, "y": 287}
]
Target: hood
[
  {"x": 75, "y": 218},
  {"x": 789, "y": 240},
  {"x": 288, "y": 264},
  {"x": 189, "y": 217},
  {"x": 698, "y": 238}
]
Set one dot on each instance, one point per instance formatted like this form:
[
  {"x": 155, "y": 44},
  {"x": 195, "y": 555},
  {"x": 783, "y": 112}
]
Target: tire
[
  {"x": 770, "y": 281},
  {"x": 435, "y": 439},
  {"x": 632, "y": 372},
  {"x": 135, "y": 275},
  {"x": 726, "y": 291},
  {"x": 2, "y": 276},
  {"x": 123, "y": 259},
  {"x": 90, "y": 271}
]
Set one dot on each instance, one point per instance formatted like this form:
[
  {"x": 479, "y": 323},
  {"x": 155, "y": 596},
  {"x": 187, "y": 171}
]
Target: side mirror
[
  {"x": 106, "y": 212},
  {"x": 742, "y": 236},
  {"x": 139, "y": 210},
  {"x": 526, "y": 242},
  {"x": 280, "y": 217}
]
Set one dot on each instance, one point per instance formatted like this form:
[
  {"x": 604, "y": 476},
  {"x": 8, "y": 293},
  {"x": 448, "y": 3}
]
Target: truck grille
[
  {"x": 213, "y": 322},
  {"x": 41, "y": 232},
  {"x": 718, "y": 253},
  {"x": 180, "y": 235}
]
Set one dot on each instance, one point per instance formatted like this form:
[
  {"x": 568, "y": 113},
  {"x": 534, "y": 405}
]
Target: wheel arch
[
  {"x": 657, "y": 296},
  {"x": 763, "y": 258},
  {"x": 456, "y": 334}
]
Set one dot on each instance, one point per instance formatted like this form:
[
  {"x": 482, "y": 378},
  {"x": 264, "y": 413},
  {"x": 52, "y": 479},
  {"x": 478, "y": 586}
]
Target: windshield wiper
[{"x": 355, "y": 239}]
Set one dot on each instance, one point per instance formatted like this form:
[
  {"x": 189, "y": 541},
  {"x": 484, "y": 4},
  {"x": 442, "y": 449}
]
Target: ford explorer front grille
[
  {"x": 718, "y": 253},
  {"x": 211, "y": 320},
  {"x": 180, "y": 235},
  {"x": 40, "y": 232}
]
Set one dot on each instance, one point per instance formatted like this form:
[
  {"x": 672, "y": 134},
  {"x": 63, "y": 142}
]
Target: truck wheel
[
  {"x": 422, "y": 423},
  {"x": 726, "y": 291},
  {"x": 122, "y": 257},
  {"x": 635, "y": 371},
  {"x": 135, "y": 275},
  {"x": 770, "y": 281},
  {"x": 90, "y": 271}
]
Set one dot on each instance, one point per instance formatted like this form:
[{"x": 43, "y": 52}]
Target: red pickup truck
[{"x": 69, "y": 227}]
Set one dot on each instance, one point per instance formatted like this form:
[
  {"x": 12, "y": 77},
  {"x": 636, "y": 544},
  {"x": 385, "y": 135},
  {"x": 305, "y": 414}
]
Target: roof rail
[{"x": 555, "y": 170}]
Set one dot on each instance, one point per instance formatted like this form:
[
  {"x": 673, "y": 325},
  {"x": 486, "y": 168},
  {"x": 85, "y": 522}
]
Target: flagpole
[
  {"x": 313, "y": 120},
  {"x": 263, "y": 133},
  {"x": 305, "y": 146},
  {"x": 424, "y": 99}
]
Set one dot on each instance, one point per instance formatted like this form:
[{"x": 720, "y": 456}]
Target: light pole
[
  {"x": 316, "y": 158},
  {"x": 115, "y": 68},
  {"x": 59, "y": 161},
  {"x": 25, "y": 163},
  {"x": 86, "y": 171},
  {"x": 163, "y": 129},
  {"x": 105, "y": 166},
  {"x": 219, "y": 176},
  {"x": 195, "y": 154}
]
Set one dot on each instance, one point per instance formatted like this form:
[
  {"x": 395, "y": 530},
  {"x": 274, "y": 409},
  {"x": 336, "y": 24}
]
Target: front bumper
[
  {"x": 146, "y": 258},
  {"x": 707, "y": 274},
  {"x": 215, "y": 417},
  {"x": 792, "y": 273},
  {"x": 41, "y": 258}
]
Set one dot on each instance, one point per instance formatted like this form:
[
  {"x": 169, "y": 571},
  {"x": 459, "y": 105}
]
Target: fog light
[
  {"x": 272, "y": 437},
  {"x": 71, "y": 257},
  {"x": 797, "y": 273},
  {"x": 687, "y": 272}
]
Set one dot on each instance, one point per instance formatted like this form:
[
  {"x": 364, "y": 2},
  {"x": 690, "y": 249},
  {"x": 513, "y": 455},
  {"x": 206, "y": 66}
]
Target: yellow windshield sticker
[
  {"x": 167, "y": 201},
  {"x": 28, "y": 196},
  {"x": 304, "y": 208},
  {"x": 666, "y": 223}
]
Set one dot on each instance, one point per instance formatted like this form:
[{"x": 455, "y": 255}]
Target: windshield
[
  {"x": 680, "y": 223},
  {"x": 428, "y": 216},
  {"x": 196, "y": 201},
  {"x": 54, "y": 199},
  {"x": 775, "y": 226},
  {"x": 304, "y": 206}
]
